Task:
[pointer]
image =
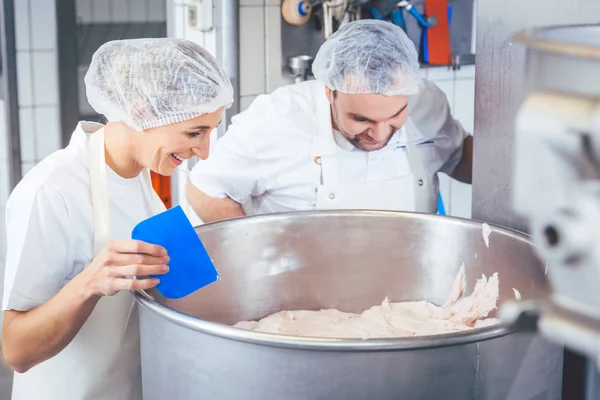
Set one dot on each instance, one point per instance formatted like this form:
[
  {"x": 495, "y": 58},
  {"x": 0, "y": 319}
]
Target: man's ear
[{"x": 330, "y": 94}]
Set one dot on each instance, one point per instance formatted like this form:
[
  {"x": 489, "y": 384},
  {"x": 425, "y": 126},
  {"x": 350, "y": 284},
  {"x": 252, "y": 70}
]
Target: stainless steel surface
[
  {"x": 348, "y": 260},
  {"x": 228, "y": 43},
  {"x": 500, "y": 89},
  {"x": 556, "y": 128},
  {"x": 10, "y": 90},
  {"x": 300, "y": 67},
  {"x": 570, "y": 53},
  {"x": 67, "y": 46},
  {"x": 301, "y": 62}
]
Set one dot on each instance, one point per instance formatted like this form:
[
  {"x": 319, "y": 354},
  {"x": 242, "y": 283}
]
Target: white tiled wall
[
  {"x": 252, "y": 51},
  {"x": 35, "y": 26}
]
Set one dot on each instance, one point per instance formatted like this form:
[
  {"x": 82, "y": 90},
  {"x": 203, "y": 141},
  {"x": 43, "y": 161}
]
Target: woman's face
[{"x": 165, "y": 148}]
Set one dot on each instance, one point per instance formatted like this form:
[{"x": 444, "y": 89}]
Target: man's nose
[{"x": 381, "y": 132}]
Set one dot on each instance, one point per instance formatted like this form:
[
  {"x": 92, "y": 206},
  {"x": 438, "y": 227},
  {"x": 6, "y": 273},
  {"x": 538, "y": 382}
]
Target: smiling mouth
[{"x": 175, "y": 156}]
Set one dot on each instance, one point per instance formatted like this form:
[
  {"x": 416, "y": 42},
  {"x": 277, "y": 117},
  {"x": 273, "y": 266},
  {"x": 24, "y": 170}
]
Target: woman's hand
[
  {"x": 31, "y": 337},
  {"x": 109, "y": 271}
]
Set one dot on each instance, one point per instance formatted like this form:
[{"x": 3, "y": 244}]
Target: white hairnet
[
  {"x": 147, "y": 83},
  {"x": 368, "y": 56}
]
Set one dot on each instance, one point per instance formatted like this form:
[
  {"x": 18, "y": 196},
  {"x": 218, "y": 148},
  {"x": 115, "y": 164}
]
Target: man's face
[{"x": 368, "y": 121}]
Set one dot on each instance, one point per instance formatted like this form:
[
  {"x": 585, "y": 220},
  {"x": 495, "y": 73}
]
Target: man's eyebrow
[
  {"x": 370, "y": 120},
  {"x": 360, "y": 117},
  {"x": 400, "y": 111}
]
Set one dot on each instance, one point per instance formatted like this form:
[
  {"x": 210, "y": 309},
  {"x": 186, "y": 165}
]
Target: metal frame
[
  {"x": 11, "y": 98},
  {"x": 229, "y": 54},
  {"x": 66, "y": 33},
  {"x": 501, "y": 67}
]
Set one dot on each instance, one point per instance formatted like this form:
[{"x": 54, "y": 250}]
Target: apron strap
[
  {"x": 155, "y": 202},
  {"x": 329, "y": 170},
  {"x": 424, "y": 192},
  {"x": 416, "y": 163},
  {"x": 99, "y": 190}
]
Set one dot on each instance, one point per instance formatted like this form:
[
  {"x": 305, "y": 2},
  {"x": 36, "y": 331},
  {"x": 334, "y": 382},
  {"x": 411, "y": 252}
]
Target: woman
[{"x": 70, "y": 326}]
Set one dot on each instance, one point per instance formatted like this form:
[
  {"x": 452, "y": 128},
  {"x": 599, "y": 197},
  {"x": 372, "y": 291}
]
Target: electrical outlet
[
  {"x": 192, "y": 12},
  {"x": 200, "y": 15}
]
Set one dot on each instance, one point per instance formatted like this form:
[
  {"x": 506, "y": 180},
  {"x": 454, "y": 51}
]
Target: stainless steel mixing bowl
[{"x": 348, "y": 260}]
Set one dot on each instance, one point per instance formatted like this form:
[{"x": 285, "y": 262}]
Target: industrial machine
[
  {"x": 556, "y": 185},
  {"x": 348, "y": 260},
  {"x": 440, "y": 29}
]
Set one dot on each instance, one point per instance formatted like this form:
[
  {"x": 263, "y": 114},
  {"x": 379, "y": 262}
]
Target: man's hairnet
[
  {"x": 147, "y": 83},
  {"x": 368, "y": 56}
]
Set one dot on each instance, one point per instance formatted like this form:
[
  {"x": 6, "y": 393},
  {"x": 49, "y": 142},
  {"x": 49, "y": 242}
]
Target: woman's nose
[{"x": 201, "y": 153}]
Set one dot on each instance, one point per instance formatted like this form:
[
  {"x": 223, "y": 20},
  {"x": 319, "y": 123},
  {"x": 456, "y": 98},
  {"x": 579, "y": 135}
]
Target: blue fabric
[
  {"x": 441, "y": 210},
  {"x": 376, "y": 13},
  {"x": 398, "y": 19}
]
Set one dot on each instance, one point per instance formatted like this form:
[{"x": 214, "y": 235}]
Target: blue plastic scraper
[{"x": 190, "y": 267}]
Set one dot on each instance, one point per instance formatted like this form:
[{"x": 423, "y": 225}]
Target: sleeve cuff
[
  {"x": 207, "y": 187},
  {"x": 17, "y": 302},
  {"x": 450, "y": 165}
]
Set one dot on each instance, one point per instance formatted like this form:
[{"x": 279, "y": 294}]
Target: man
[{"x": 368, "y": 133}]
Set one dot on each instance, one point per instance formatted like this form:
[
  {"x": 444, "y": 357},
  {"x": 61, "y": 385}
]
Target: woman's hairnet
[
  {"x": 147, "y": 83},
  {"x": 368, "y": 56}
]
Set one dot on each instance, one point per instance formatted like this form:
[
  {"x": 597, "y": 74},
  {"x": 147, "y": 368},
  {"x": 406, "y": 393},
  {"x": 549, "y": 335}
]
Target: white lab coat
[
  {"x": 270, "y": 155},
  {"x": 55, "y": 229}
]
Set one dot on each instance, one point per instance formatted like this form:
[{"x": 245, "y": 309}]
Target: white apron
[
  {"x": 413, "y": 192},
  {"x": 103, "y": 360}
]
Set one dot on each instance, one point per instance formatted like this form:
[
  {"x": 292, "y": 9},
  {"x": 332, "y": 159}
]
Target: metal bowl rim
[
  {"x": 308, "y": 343},
  {"x": 533, "y": 39}
]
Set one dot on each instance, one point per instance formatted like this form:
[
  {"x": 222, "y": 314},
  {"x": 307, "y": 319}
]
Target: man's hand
[{"x": 464, "y": 170}]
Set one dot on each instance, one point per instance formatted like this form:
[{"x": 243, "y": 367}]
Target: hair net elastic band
[{"x": 172, "y": 119}]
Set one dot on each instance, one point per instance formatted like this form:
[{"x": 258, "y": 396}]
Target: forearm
[
  {"x": 31, "y": 337},
  {"x": 464, "y": 170},
  {"x": 210, "y": 209}
]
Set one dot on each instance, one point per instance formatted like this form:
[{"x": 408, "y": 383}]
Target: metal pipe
[
  {"x": 11, "y": 98},
  {"x": 66, "y": 31},
  {"x": 229, "y": 53}
]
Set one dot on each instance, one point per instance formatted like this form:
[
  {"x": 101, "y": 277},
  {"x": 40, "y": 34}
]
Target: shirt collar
[
  {"x": 342, "y": 142},
  {"x": 397, "y": 139},
  {"x": 324, "y": 143}
]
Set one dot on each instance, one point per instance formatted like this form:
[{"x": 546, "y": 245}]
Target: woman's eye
[
  {"x": 194, "y": 134},
  {"x": 358, "y": 119}
]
